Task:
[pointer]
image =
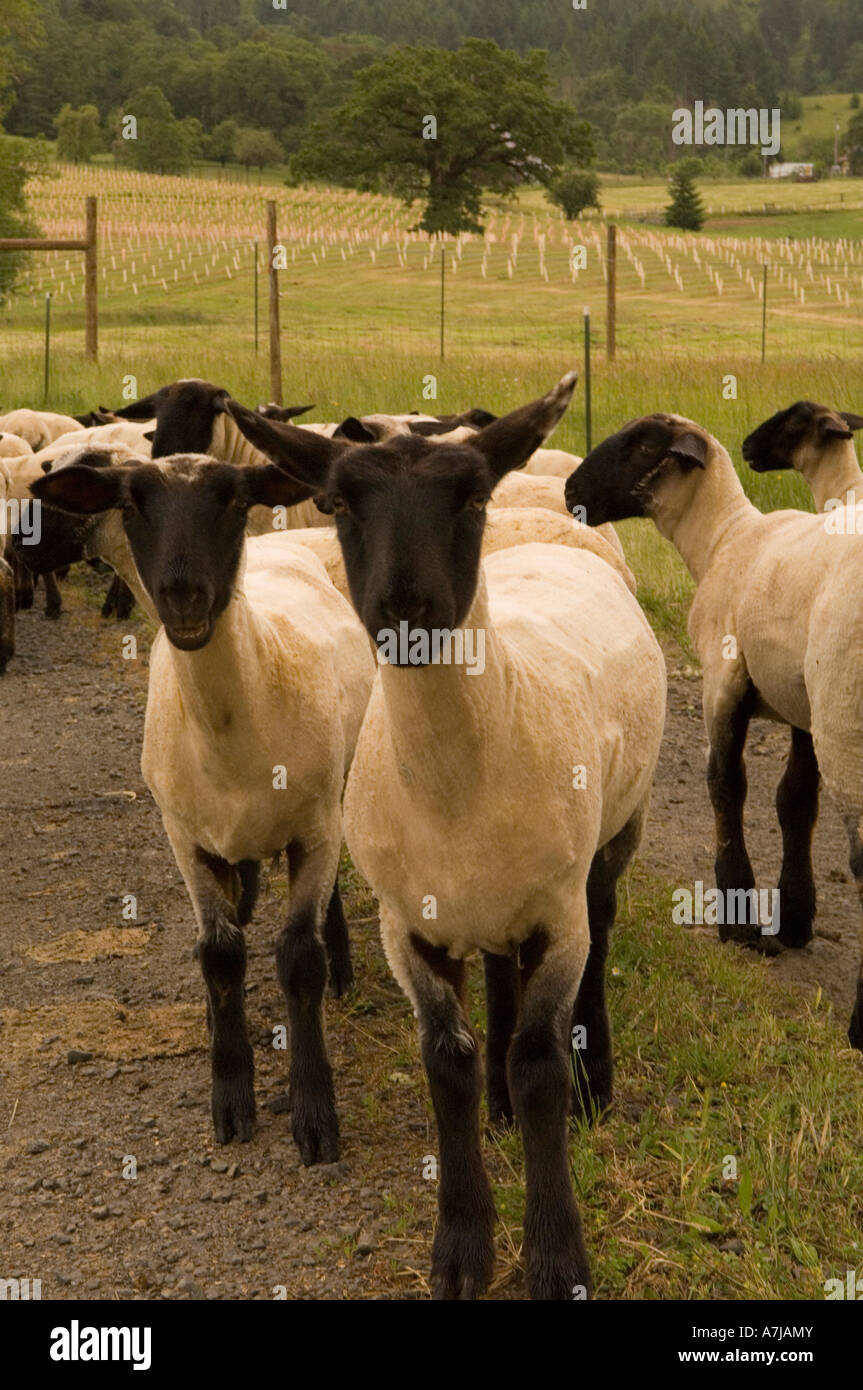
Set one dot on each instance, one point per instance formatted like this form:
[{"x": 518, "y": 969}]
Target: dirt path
[{"x": 102, "y": 1037}]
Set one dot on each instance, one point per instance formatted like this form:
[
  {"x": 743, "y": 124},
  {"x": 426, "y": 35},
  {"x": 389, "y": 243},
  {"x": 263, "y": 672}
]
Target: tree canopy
[{"x": 438, "y": 127}]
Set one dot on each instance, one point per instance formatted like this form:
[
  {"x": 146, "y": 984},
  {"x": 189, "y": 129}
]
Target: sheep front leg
[
  {"x": 463, "y": 1250},
  {"x": 539, "y": 1082},
  {"x": 24, "y": 583},
  {"x": 727, "y": 728},
  {"x": 216, "y": 890},
  {"x": 302, "y": 968},
  {"x": 502, "y": 1000},
  {"x": 797, "y": 809}
]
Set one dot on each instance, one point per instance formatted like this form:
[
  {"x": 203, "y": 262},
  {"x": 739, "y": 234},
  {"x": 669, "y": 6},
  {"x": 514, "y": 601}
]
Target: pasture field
[{"x": 718, "y": 1053}]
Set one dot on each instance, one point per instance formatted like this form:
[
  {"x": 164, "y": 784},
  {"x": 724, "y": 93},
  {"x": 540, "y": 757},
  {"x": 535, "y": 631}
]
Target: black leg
[
  {"x": 797, "y": 808},
  {"x": 463, "y": 1250},
  {"x": 53, "y": 602},
  {"x": 248, "y": 871},
  {"x": 540, "y": 1086},
  {"x": 338, "y": 946},
  {"x": 125, "y": 600},
  {"x": 7, "y": 614},
  {"x": 592, "y": 1060},
  {"x": 502, "y": 999},
  {"x": 302, "y": 966},
  {"x": 110, "y": 603},
  {"x": 855, "y": 1027},
  {"x": 23, "y": 584},
  {"x": 726, "y": 781},
  {"x": 222, "y": 955}
]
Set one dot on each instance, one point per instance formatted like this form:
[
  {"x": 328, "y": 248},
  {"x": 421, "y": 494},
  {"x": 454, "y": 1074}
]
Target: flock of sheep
[{"x": 317, "y": 590}]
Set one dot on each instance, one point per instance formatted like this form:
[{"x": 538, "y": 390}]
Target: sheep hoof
[
  {"x": 462, "y": 1261},
  {"x": 53, "y": 612},
  {"x": 233, "y": 1111},
  {"x": 316, "y": 1132},
  {"x": 561, "y": 1274}
]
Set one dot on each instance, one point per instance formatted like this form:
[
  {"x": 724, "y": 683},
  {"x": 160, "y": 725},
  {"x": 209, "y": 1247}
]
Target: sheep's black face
[
  {"x": 410, "y": 519},
  {"x": 185, "y": 413},
  {"x": 185, "y": 524},
  {"x": 184, "y": 518},
  {"x": 776, "y": 443},
  {"x": 619, "y": 477},
  {"x": 63, "y": 540}
]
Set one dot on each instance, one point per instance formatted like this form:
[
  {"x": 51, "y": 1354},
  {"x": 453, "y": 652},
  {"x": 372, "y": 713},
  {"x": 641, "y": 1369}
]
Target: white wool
[
  {"x": 462, "y": 784},
  {"x": 13, "y": 446},
  {"x": 284, "y": 680},
  {"x": 505, "y": 527},
  {"x": 38, "y": 427},
  {"x": 129, "y": 432}
]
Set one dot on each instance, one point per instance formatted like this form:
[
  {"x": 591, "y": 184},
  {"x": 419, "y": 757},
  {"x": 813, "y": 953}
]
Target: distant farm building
[{"x": 801, "y": 173}]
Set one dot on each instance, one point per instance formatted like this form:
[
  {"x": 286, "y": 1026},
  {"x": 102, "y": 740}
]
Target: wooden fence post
[
  {"x": 611, "y": 328},
  {"x": 91, "y": 285},
  {"x": 275, "y": 341}
]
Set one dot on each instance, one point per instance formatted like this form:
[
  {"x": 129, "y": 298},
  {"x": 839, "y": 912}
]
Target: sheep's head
[
  {"x": 184, "y": 518},
  {"x": 633, "y": 472},
  {"x": 184, "y": 411},
  {"x": 798, "y": 437},
  {"x": 410, "y": 512}
]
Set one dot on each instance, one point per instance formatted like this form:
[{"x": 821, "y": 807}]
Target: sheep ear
[
  {"x": 304, "y": 455},
  {"x": 81, "y": 489},
  {"x": 270, "y": 486},
  {"x": 478, "y": 419},
  {"x": 354, "y": 430},
  {"x": 144, "y": 409},
  {"x": 854, "y": 422},
  {"x": 834, "y": 427},
  {"x": 690, "y": 448},
  {"x": 509, "y": 442},
  {"x": 291, "y": 411}
]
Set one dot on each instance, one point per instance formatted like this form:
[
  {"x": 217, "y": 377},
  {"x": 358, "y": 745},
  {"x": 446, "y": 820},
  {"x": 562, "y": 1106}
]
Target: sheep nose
[
  {"x": 414, "y": 612},
  {"x": 183, "y": 597}
]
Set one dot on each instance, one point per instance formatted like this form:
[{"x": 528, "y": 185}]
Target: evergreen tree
[{"x": 686, "y": 209}]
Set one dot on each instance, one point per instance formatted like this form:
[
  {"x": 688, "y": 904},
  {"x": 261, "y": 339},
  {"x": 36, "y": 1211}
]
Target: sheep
[
  {"x": 818, "y": 442},
  {"x": 460, "y": 807},
  {"x": 38, "y": 427},
  {"x": 190, "y": 418},
  {"x": 776, "y": 621},
  {"x": 12, "y": 446},
  {"x": 256, "y": 696},
  {"x": 376, "y": 428}
]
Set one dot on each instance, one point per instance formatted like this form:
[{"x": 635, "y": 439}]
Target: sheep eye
[
  {"x": 479, "y": 502},
  {"x": 339, "y": 505}
]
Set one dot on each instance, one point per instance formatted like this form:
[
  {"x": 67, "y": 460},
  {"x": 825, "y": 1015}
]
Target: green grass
[{"x": 715, "y": 1061}]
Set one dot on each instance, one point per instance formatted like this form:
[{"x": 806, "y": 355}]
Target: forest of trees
[{"x": 231, "y": 68}]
